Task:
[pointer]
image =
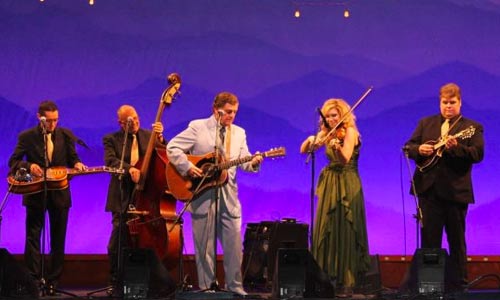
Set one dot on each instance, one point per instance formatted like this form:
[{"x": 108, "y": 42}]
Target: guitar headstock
[
  {"x": 173, "y": 90},
  {"x": 275, "y": 152},
  {"x": 467, "y": 133}
]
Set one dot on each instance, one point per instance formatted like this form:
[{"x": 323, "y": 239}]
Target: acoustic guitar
[
  {"x": 57, "y": 179},
  {"x": 214, "y": 168},
  {"x": 438, "y": 146}
]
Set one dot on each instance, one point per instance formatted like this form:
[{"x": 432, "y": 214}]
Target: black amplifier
[{"x": 261, "y": 243}]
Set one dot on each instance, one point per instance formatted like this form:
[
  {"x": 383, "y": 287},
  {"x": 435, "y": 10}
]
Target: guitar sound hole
[{"x": 208, "y": 169}]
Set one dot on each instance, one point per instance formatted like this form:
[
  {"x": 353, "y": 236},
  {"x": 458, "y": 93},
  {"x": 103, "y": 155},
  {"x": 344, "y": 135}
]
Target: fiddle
[
  {"x": 336, "y": 139},
  {"x": 325, "y": 136}
]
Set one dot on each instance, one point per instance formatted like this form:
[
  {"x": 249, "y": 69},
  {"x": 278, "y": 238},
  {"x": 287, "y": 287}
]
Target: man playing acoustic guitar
[
  {"x": 444, "y": 188},
  {"x": 200, "y": 138}
]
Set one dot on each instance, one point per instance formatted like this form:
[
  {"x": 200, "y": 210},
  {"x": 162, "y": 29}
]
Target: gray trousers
[{"x": 229, "y": 234}]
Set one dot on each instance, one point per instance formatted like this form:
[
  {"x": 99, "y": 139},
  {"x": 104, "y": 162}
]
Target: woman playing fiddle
[{"x": 340, "y": 242}]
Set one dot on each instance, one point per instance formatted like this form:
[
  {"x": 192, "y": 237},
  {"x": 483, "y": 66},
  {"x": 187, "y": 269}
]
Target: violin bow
[{"x": 368, "y": 91}]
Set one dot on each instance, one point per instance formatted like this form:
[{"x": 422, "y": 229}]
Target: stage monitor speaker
[
  {"x": 262, "y": 241},
  {"x": 15, "y": 280},
  {"x": 255, "y": 248},
  {"x": 144, "y": 275},
  {"x": 430, "y": 273},
  {"x": 297, "y": 275}
]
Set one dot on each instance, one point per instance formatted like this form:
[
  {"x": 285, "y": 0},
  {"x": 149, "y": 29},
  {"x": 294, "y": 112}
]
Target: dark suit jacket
[
  {"x": 29, "y": 150},
  {"x": 451, "y": 176},
  {"x": 113, "y": 144}
]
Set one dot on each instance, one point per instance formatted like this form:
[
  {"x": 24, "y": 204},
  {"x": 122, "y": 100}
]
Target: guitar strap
[{"x": 228, "y": 142}]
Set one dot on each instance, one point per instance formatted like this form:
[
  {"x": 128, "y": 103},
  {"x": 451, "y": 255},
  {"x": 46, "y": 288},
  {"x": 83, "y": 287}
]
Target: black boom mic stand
[
  {"x": 419, "y": 220},
  {"x": 44, "y": 288},
  {"x": 312, "y": 158},
  {"x": 110, "y": 289}
]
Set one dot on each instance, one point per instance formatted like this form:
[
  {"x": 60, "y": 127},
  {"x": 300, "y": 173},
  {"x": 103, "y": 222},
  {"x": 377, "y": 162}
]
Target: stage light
[
  {"x": 91, "y": 2},
  {"x": 346, "y": 13},
  {"x": 300, "y": 4}
]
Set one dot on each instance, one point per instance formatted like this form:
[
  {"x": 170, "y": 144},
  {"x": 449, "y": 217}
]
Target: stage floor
[
  {"x": 86, "y": 293},
  {"x": 86, "y": 273}
]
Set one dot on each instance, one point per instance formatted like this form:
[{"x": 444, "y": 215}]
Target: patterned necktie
[
  {"x": 50, "y": 146},
  {"x": 222, "y": 135},
  {"x": 134, "y": 152},
  {"x": 445, "y": 127}
]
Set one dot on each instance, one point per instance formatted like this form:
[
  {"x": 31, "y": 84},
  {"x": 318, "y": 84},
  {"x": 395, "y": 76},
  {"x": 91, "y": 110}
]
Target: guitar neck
[
  {"x": 92, "y": 170},
  {"x": 73, "y": 171},
  {"x": 236, "y": 162},
  {"x": 277, "y": 152},
  {"x": 442, "y": 142}
]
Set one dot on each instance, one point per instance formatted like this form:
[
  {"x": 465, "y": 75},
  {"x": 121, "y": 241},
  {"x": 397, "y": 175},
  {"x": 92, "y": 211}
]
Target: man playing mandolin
[
  {"x": 444, "y": 188},
  {"x": 34, "y": 146},
  {"x": 201, "y": 137}
]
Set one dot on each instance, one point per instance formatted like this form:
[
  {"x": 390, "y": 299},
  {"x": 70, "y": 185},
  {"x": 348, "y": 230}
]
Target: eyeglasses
[{"x": 51, "y": 120}]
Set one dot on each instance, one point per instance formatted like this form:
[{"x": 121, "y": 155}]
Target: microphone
[
  {"x": 43, "y": 122},
  {"x": 82, "y": 143},
  {"x": 325, "y": 122},
  {"x": 221, "y": 112},
  {"x": 130, "y": 121},
  {"x": 73, "y": 138}
]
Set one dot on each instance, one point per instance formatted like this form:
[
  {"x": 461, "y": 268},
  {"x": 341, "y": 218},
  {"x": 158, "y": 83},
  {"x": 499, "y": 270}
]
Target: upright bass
[{"x": 154, "y": 207}]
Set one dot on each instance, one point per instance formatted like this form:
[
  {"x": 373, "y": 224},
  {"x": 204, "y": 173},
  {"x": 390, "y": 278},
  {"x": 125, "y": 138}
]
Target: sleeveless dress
[{"x": 340, "y": 241}]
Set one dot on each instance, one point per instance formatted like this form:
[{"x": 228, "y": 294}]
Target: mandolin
[{"x": 439, "y": 148}]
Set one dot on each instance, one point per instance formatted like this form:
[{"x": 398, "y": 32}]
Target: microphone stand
[
  {"x": 21, "y": 175},
  {"x": 214, "y": 286},
  {"x": 5, "y": 199},
  {"x": 312, "y": 157},
  {"x": 43, "y": 283},
  {"x": 3, "y": 205},
  {"x": 419, "y": 223},
  {"x": 119, "y": 268}
]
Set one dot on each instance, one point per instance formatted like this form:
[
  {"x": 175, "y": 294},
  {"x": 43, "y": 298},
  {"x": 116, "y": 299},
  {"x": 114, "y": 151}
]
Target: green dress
[{"x": 340, "y": 241}]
